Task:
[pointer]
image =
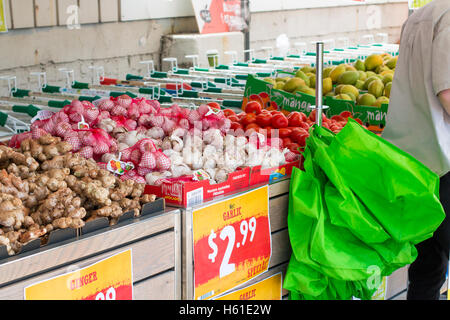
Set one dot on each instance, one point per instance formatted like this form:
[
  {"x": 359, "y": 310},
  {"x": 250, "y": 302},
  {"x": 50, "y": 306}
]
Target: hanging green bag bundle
[{"x": 355, "y": 213}]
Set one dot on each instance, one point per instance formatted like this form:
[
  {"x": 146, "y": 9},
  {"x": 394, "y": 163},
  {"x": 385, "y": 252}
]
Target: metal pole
[
  {"x": 245, "y": 13},
  {"x": 319, "y": 82}
]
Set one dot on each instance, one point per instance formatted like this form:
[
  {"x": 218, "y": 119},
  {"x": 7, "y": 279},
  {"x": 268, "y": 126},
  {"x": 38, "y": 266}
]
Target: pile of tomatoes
[{"x": 292, "y": 128}]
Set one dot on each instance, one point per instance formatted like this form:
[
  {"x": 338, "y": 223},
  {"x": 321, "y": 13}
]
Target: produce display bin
[
  {"x": 281, "y": 252},
  {"x": 186, "y": 194},
  {"x": 154, "y": 240}
]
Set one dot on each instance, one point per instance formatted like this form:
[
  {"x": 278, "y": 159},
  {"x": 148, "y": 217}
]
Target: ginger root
[
  {"x": 68, "y": 222},
  {"x": 44, "y": 186}
]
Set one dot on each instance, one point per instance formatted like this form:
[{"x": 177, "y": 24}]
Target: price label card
[
  {"x": 380, "y": 294},
  {"x": 3, "y": 27},
  {"x": 231, "y": 242},
  {"x": 215, "y": 16},
  {"x": 108, "y": 279},
  {"x": 119, "y": 167},
  {"x": 267, "y": 289}
]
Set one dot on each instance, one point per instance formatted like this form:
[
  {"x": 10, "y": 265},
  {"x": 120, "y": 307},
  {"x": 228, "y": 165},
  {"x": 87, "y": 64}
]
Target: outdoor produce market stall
[{"x": 211, "y": 151}]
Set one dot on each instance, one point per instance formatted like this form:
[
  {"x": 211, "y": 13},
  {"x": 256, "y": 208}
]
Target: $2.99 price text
[
  {"x": 229, "y": 233},
  {"x": 240, "y": 250}
]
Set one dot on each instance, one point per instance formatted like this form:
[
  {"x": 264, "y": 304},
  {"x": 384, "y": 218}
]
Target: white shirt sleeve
[{"x": 440, "y": 63}]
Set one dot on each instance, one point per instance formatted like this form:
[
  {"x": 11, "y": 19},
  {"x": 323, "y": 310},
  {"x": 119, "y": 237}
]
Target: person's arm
[
  {"x": 440, "y": 64},
  {"x": 444, "y": 98}
]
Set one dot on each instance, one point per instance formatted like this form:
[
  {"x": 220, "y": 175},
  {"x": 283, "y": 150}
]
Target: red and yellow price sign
[
  {"x": 108, "y": 279},
  {"x": 232, "y": 242},
  {"x": 267, "y": 289}
]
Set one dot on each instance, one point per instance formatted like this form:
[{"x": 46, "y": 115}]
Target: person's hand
[{"x": 444, "y": 98}]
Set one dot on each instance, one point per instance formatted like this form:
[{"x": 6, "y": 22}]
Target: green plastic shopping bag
[{"x": 361, "y": 204}]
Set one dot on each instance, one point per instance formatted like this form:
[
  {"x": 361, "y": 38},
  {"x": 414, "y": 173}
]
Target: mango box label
[
  {"x": 108, "y": 279},
  {"x": 231, "y": 242},
  {"x": 266, "y": 289}
]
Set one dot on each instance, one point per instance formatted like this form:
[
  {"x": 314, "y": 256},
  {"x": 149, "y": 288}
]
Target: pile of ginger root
[{"x": 44, "y": 186}]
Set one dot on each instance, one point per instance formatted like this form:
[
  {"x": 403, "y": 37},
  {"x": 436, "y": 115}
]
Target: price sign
[
  {"x": 232, "y": 242},
  {"x": 416, "y": 4},
  {"x": 215, "y": 16},
  {"x": 380, "y": 294},
  {"x": 267, "y": 289},
  {"x": 108, "y": 279},
  {"x": 3, "y": 27}
]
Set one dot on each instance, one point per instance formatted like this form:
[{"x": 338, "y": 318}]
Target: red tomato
[
  {"x": 284, "y": 132},
  {"x": 297, "y": 130},
  {"x": 264, "y": 119},
  {"x": 299, "y": 137},
  {"x": 228, "y": 112},
  {"x": 346, "y": 114},
  {"x": 359, "y": 121},
  {"x": 304, "y": 117},
  {"x": 286, "y": 141},
  {"x": 294, "y": 119},
  {"x": 279, "y": 121},
  {"x": 302, "y": 140},
  {"x": 304, "y": 125},
  {"x": 248, "y": 118},
  {"x": 252, "y": 126},
  {"x": 233, "y": 118},
  {"x": 337, "y": 118},
  {"x": 312, "y": 116},
  {"x": 235, "y": 126},
  {"x": 253, "y": 107},
  {"x": 275, "y": 112},
  {"x": 241, "y": 115},
  {"x": 214, "y": 105}
]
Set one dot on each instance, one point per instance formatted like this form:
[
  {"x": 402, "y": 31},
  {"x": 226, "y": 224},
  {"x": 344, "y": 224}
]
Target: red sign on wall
[{"x": 214, "y": 16}]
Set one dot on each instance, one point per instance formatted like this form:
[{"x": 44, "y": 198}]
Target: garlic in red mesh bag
[
  {"x": 145, "y": 107},
  {"x": 156, "y": 120},
  {"x": 148, "y": 160},
  {"x": 75, "y": 141},
  {"x": 162, "y": 161},
  {"x": 107, "y": 124},
  {"x": 146, "y": 145},
  {"x": 168, "y": 125},
  {"x": 133, "y": 112},
  {"x": 155, "y": 133},
  {"x": 118, "y": 110},
  {"x": 184, "y": 124},
  {"x": 290, "y": 156},
  {"x": 97, "y": 138},
  {"x": 86, "y": 152},
  {"x": 124, "y": 101},
  {"x": 145, "y": 120},
  {"x": 135, "y": 156},
  {"x": 194, "y": 116},
  {"x": 106, "y": 105},
  {"x": 36, "y": 132},
  {"x": 16, "y": 140},
  {"x": 62, "y": 128},
  {"x": 90, "y": 113}
]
